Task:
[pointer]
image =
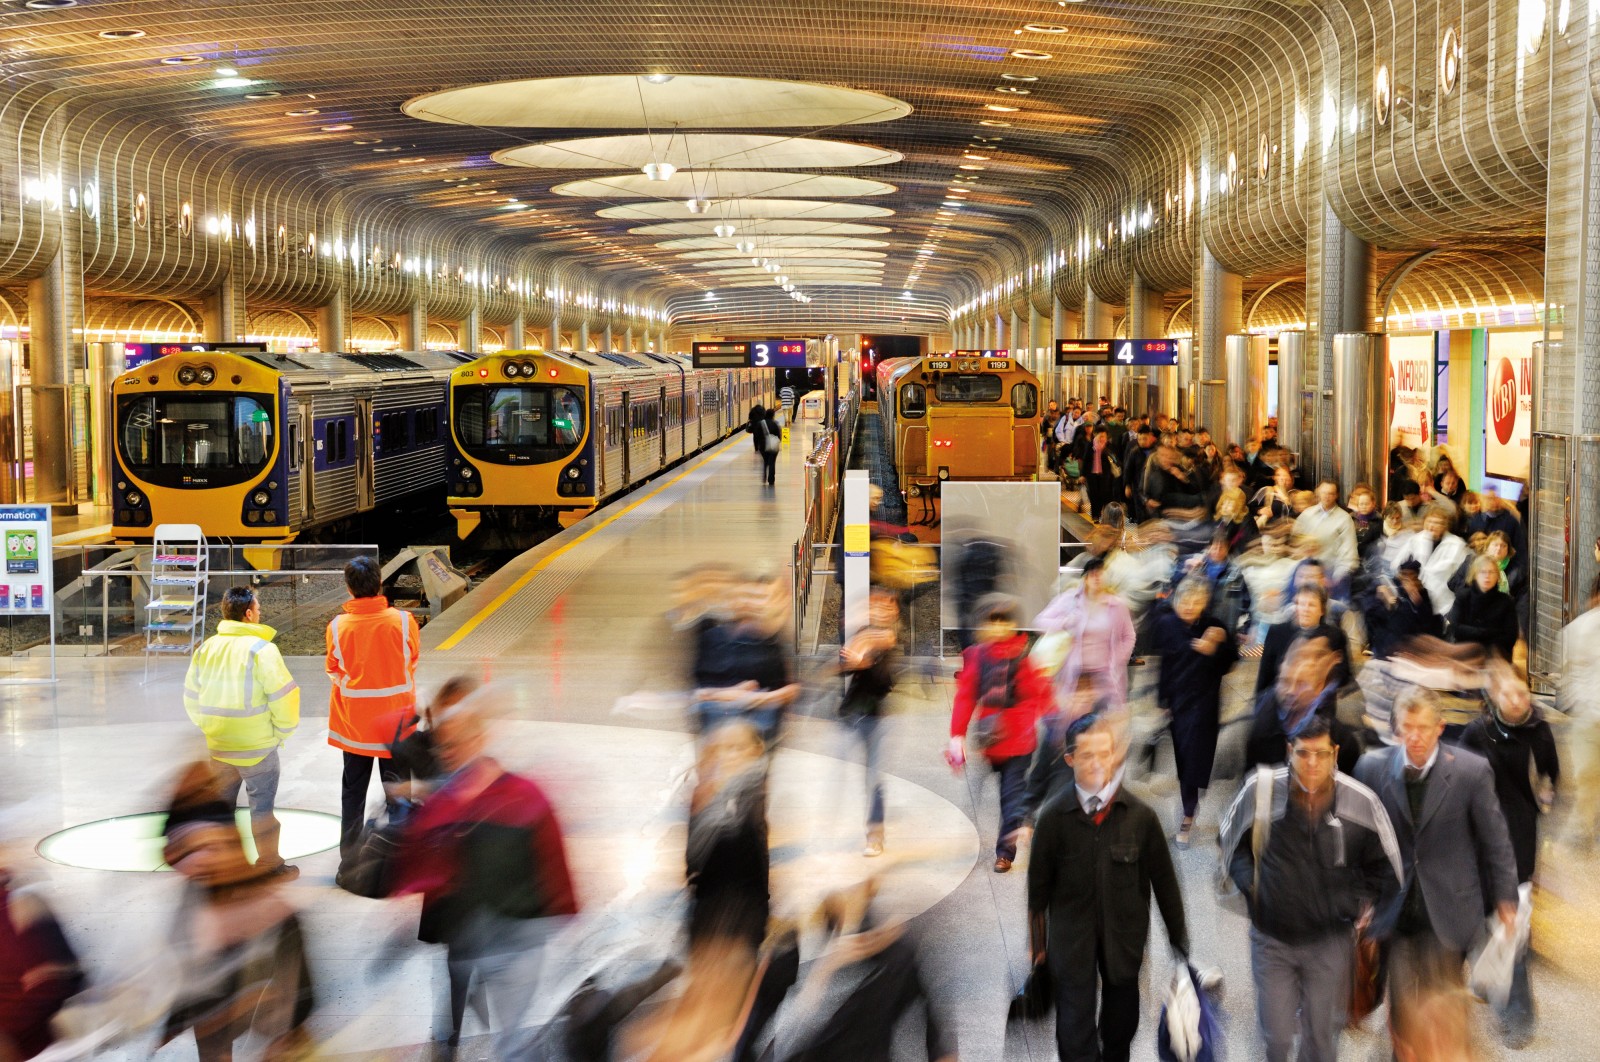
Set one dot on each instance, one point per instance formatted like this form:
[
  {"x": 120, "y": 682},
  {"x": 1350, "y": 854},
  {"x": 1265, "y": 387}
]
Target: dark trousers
[
  {"x": 1079, "y": 1036},
  {"x": 353, "y": 798},
  {"x": 1013, "y": 802},
  {"x": 770, "y": 465}
]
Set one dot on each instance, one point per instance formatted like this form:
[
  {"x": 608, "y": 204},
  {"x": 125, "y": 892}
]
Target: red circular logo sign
[{"x": 1503, "y": 401}]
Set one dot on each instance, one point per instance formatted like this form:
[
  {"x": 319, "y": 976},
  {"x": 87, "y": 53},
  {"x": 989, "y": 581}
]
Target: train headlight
[
  {"x": 511, "y": 369},
  {"x": 187, "y": 375},
  {"x": 572, "y": 473},
  {"x": 135, "y": 499},
  {"x": 207, "y": 374},
  {"x": 260, "y": 499},
  {"x": 466, "y": 473}
]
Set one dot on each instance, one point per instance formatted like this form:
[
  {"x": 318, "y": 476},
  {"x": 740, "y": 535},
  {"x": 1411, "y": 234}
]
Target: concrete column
[
  {"x": 471, "y": 330},
  {"x": 55, "y": 321},
  {"x": 1566, "y": 373},
  {"x": 555, "y": 333},
  {"x": 583, "y": 335},
  {"x": 627, "y": 339},
  {"x": 333, "y": 323},
  {"x": 1218, "y": 311},
  {"x": 1014, "y": 333},
  {"x": 516, "y": 333},
  {"x": 415, "y": 332},
  {"x": 222, "y": 310},
  {"x": 608, "y": 345}
]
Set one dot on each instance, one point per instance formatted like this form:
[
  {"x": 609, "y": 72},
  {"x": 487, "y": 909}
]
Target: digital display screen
[
  {"x": 1145, "y": 352},
  {"x": 778, "y": 353},
  {"x": 1083, "y": 351},
  {"x": 721, "y": 355},
  {"x": 137, "y": 354},
  {"x": 980, "y": 353}
]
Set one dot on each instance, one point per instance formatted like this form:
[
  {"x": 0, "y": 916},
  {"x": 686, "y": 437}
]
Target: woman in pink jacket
[{"x": 1102, "y": 640}]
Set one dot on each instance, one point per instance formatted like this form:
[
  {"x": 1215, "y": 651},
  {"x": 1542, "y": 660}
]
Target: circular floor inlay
[{"x": 134, "y": 842}]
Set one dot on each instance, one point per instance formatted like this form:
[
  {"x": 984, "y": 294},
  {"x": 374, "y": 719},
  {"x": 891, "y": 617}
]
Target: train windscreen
[
  {"x": 519, "y": 423},
  {"x": 179, "y": 439},
  {"x": 968, "y": 387}
]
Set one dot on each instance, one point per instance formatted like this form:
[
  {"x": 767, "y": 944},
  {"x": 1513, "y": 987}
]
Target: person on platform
[
  {"x": 1579, "y": 698},
  {"x": 1440, "y": 553},
  {"x": 1098, "y": 855},
  {"x": 1309, "y": 620},
  {"x": 1101, "y": 471},
  {"x": 486, "y": 854},
  {"x": 371, "y": 661},
  {"x": 1396, "y": 614},
  {"x": 1484, "y": 614},
  {"x": 867, "y": 661},
  {"x": 1330, "y": 859},
  {"x": 1101, "y": 627},
  {"x": 1459, "y": 858},
  {"x": 39, "y": 970},
  {"x": 1197, "y": 650},
  {"x": 1333, "y": 531},
  {"x": 1305, "y": 688},
  {"x": 1273, "y": 502},
  {"x": 242, "y": 697},
  {"x": 1000, "y": 688}
]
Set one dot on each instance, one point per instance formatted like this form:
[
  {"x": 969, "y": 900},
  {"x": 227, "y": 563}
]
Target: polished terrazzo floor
[{"x": 591, "y": 667}]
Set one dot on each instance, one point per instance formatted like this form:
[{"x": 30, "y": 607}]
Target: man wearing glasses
[{"x": 1315, "y": 866}]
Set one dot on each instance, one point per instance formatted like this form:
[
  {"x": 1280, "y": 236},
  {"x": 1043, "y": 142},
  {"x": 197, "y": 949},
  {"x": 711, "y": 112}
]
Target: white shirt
[
  {"x": 1427, "y": 767},
  {"x": 1334, "y": 531},
  {"x": 1439, "y": 563},
  {"x": 1103, "y": 795}
]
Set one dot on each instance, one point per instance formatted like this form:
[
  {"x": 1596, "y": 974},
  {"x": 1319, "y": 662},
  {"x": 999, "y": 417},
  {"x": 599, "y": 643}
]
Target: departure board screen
[{"x": 721, "y": 355}]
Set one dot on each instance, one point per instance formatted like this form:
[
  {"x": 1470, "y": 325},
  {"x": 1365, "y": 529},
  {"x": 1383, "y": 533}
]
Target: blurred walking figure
[
  {"x": 1322, "y": 859},
  {"x": 1000, "y": 686},
  {"x": 38, "y": 970},
  {"x": 242, "y": 697},
  {"x": 486, "y": 852},
  {"x": 727, "y": 860},
  {"x": 1098, "y": 855},
  {"x": 1197, "y": 651},
  {"x": 742, "y": 668},
  {"x": 1102, "y": 633},
  {"x": 767, "y": 435},
  {"x": 1580, "y": 699},
  {"x": 1521, "y": 749},
  {"x": 372, "y": 662},
  {"x": 238, "y": 944},
  {"x": 868, "y": 663}
]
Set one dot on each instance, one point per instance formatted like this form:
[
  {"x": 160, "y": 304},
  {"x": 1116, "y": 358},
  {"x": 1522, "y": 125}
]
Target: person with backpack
[
  {"x": 1313, "y": 853},
  {"x": 767, "y": 435},
  {"x": 1000, "y": 688}
]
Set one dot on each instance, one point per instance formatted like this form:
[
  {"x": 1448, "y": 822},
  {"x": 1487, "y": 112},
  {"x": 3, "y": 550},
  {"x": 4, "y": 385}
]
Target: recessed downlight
[
  {"x": 120, "y": 34},
  {"x": 969, "y": 166},
  {"x": 1015, "y": 90},
  {"x": 338, "y": 127},
  {"x": 975, "y": 158},
  {"x": 1019, "y": 77},
  {"x": 1001, "y": 107},
  {"x": 995, "y": 122},
  {"x": 1044, "y": 27},
  {"x": 182, "y": 60},
  {"x": 658, "y": 79},
  {"x": 268, "y": 95},
  {"x": 50, "y": 5},
  {"x": 386, "y": 150},
  {"x": 368, "y": 143},
  {"x": 1029, "y": 53},
  {"x": 303, "y": 112}
]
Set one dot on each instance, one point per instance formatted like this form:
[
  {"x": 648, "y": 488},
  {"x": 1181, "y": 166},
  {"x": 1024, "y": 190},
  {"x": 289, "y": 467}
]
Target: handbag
[
  {"x": 1071, "y": 468},
  {"x": 772, "y": 443},
  {"x": 1366, "y": 980},
  {"x": 1037, "y": 997},
  {"x": 369, "y": 872}
]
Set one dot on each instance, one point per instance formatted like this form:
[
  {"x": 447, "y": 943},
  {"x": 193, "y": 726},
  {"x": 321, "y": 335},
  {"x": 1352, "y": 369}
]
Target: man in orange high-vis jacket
[{"x": 372, "y": 664}]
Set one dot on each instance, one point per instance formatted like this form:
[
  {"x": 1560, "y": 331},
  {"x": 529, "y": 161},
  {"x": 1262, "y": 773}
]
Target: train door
[
  {"x": 662, "y": 425},
  {"x": 302, "y": 441},
  {"x": 365, "y": 494},
  {"x": 627, "y": 440}
]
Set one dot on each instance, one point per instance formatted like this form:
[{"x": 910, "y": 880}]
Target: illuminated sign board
[
  {"x": 721, "y": 355},
  {"x": 137, "y": 354},
  {"x": 1083, "y": 351},
  {"x": 981, "y": 353},
  {"x": 778, "y": 353},
  {"x": 1117, "y": 352}
]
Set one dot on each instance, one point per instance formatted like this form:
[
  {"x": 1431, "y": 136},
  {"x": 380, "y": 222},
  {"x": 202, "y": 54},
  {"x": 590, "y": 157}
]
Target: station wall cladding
[{"x": 138, "y": 205}]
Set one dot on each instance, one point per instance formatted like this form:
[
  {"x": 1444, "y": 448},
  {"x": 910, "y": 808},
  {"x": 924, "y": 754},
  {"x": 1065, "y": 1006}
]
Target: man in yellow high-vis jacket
[{"x": 242, "y": 697}]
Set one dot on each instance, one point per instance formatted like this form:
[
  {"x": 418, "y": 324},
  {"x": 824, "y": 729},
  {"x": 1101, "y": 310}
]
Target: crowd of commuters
[{"x": 1383, "y": 808}]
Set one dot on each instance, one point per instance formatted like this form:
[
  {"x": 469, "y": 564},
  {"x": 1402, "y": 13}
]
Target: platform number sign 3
[
  {"x": 760, "y": 354},
  {"x": 1124, "y": 353}
]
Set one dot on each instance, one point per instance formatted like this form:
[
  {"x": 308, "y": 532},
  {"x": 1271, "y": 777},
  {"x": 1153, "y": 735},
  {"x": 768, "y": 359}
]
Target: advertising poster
[
  {"x": 1411, "y": 386},
  {"x": 25, "y": 582},
  {"x": 1508, "y": 409}
]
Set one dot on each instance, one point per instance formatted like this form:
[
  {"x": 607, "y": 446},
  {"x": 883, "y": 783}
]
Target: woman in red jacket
[{"x": 998, "y": 684}]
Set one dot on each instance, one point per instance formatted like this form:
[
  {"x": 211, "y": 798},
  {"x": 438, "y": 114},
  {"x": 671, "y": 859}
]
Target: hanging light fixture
[
  {"x": 724, "y": 230},
  {"x": 659, "y": 171},
  {"x": 698, "y": 206},
  {"x": 745, "y": 247}
]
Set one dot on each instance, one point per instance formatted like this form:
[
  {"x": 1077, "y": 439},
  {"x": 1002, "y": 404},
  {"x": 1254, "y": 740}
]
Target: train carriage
[
  {"x": 270, "y": 447},
  {"x": 958, "y": 416}
]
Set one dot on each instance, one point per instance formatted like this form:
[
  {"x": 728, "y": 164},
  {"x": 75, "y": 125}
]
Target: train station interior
[{"x": 607, "y": 330}]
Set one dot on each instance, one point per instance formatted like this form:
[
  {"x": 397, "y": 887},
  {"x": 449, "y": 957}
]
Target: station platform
[{"x": 573, "y": 634}]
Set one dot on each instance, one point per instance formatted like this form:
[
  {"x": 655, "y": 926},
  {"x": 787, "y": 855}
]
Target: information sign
[
  {"x": 1508, "y": 423},
  {"x": 778, "y": 353},
  {"x": 1411, "y": 389},
  {"x": 137, "y": 354},
  {"x": 1083, "y": 351},
  {"x": 721, "y": 355},
  {"x": 1145, "y": 352},
  {"x": 26, "y": 583}
]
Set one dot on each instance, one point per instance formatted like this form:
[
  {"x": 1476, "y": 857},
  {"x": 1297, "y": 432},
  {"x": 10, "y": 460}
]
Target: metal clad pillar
[
  {"x": 1360, "y": 409},
  {"x": 472, "y": 330},
  {"x": 416, "y": 330},
  {"x": 1146, "y": 320},
  {"x": 1565, "y": 472},
  {"x": 55, "y": 315},
  {"x": 516, "y": 333},
  {"x": 608, "y": 343},
  {"x": 222, "y": 310},
  {"x": 1340, "y": 292},
  {"x": 333, "y": 324},
  {"x": 1247, "y": 360},
  {"x": 1293, "y": 399},
  {"x": 1218, "y": 311},
  {"x": 583, "y": 335},
  {"x": 555, "y": 332},
  {"x": 1014, "y": 332}
]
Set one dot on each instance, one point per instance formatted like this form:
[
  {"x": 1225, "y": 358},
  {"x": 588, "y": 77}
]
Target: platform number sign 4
[{"x": 1124, "y": 353}]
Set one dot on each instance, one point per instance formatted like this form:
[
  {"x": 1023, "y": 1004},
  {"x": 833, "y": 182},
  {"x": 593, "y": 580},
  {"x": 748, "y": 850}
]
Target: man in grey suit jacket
[{"x": 1442, "y": 802}]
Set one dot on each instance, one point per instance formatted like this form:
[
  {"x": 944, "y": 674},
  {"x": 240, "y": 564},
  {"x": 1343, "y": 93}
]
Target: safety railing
[
  {"x": 824, "y": 479},
  {"x": 103, "y": 590}
]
